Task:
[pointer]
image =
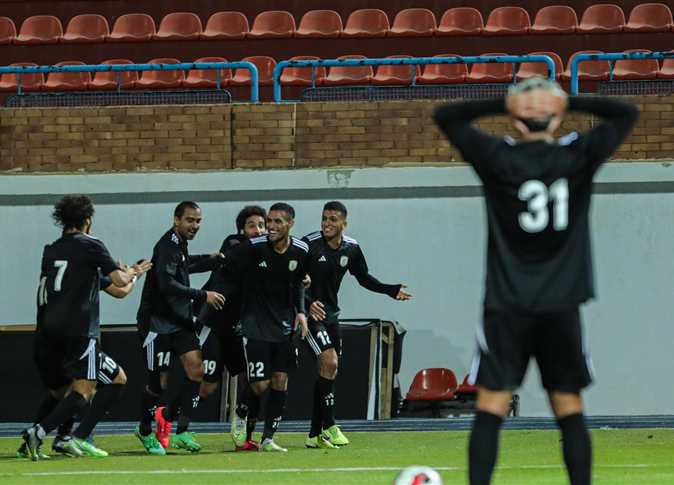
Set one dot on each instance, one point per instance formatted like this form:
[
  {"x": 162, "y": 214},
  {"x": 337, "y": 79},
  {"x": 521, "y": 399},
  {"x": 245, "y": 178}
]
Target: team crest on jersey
[
  {"x": 343, "y": 261},
  {"x": 292, "y": 265}
]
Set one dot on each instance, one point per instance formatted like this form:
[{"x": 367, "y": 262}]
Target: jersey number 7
[
  {"x": 62, "y": 265},
  {"x": 537, "y": 196}
]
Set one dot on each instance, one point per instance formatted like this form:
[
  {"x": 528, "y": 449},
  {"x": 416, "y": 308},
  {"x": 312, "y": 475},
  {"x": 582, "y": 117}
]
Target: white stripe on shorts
[
  {"x": 203, "y": 335},
  {"x": 313, "y": 344},
  {"x": 474, "y": 368}
]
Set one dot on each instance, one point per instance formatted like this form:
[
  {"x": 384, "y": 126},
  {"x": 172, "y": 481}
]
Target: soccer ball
[{"x": 418, "y": 475}]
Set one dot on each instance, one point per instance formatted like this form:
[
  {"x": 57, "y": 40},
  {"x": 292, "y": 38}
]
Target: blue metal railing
[
  {"x": 611, "y": 57},
  {"x": 412, "y": 61},
  {"x": 183, "y": 66}
]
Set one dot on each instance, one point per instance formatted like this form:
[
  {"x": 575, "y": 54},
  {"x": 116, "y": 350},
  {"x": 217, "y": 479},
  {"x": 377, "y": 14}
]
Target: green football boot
[
  {"x": 238, "y": 430},
  {"x": 66, "y": 446},
  {"x": 88, "y": 449},
  {"x": 150, "y": 443},
  {"x": 185, "y": 441},
  {"x": 270, "y": 445},
  {"x": 335, "y": 436},
  {"x": 319, "y": 442}
]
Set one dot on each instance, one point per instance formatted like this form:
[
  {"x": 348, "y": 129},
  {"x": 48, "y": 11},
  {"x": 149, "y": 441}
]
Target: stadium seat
[
  {"x": 443, "y": 73},
  {"x": 461, "y": 21},
  {"x": 265, "y": 66},
  {"x": 507, "y": 21},
  {"x": 413, "y": 22},
  {"x": 632, "y": 69},
  {"x": 7, "y": 30},
  {"x": 226, "y": 25},
  {"x": 666, "y": 70},
  {"x": 320, "y": 23},
  {"x": 465, "y": 388},
  {"x": 349, "y": 75},
  {"x": 67, "y": 81},
  {"x": 531, "y": 69},
  {"x": 396, "y": 75},
  {"x": 29, "y": 82},
  {"x": 602, "y": 18},
  {"x": 301, "y": 76},
  {"x": 179, "y": 26},
  {"x": 86, "y": 28},
  {"x": 207, "y": 78},
  {"x": 274, "y": 24},
  {"x": 587, "y": 70},
  {"x": 650, "y": 17},
  {"x": 107, "y": 80},
  {"x": 435, "y": 384},
  {"x": 555, "y": 19},
  {"x": 40, "y": 29},
  {"x": 366, "y": 22},
  {"x": 491, "y": 72},
  {"x": 133, "y": 27},
  {"x": 161, "y": 79}
]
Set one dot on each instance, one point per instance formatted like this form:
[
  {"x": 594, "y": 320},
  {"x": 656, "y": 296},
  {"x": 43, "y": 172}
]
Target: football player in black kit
[
  {"x": 68, "y": 327},
  {"x": 331, "y": 255},
  {"x": 539, "y": 270}
]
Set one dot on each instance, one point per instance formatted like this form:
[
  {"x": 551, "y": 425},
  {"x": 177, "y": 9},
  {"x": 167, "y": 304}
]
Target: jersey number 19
[{"x": 538, "y": 196}]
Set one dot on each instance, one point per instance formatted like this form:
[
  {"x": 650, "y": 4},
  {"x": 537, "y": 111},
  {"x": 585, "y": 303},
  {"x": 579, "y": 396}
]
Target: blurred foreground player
[{"x": 539, "y": 269}]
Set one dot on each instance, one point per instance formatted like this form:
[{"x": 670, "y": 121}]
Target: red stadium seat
[
  {"x": 40, "y": 29},
  {"x": 444, "y": 73},
  {"x": 461, "y": 21},
  {"x": 7, "y": 30},
  {"x": 349, "y": 75},
  {"x": 602, "y": 18},
  {"x": 650, "y": 17},
  {"x": 588, "y": 70},
  {"x": 631, "y": 69},
  {"x": 86, "y": 28},
  {"x": 466, "y": 388},
  {"x": 133, "y": 27},
  {"x": 179, "y": 26},
  {"x": 320, "y": 23},
  {"x": 67, "y": 81},
  {"x": 413, "y": 22},
  {"x": 207, "y": 78},
  {"x": 666, "y": 70},
  {"x": 265, "y": 66},
  {"x": 555, "y": 19},
  {"x": 161, "y": 79},
  {"x": 531, "y": 69},
  {"x": 29, "y": 82},
  {"x": 274, "y": 24},
  {"x": 366, "y": 22},
  {"x": 301, "y": 76},
  {"x": 507, "y": 21},
  {"x": 491, "y": 72},
  {"x": 396, "y": 75},
  {"x": 435, "y": 384},
  {"x": 226, "y": 25},
  {"x": 107, "y": 80}
]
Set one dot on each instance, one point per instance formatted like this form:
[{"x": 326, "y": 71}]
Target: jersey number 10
[{"x": 538, "y": 196}]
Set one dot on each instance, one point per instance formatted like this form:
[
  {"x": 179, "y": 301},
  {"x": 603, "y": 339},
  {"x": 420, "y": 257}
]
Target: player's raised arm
[
  {"x": 140, "y": 269},
  {"x": 200, "y": 263},
  {"x": 358, "y": 268}
]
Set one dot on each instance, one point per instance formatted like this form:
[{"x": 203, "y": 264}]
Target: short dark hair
[
  {"x": 283, "y": 207},
  {"x": 186, "y": 204},
  {"x": 249, "y": 211},
  {"x": 335, "y": 205},
  {"x": 72, "y": 211}
]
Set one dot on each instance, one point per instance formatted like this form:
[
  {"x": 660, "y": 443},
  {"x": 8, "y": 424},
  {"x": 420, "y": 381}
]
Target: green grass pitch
[{"x": 622, "y": 457}]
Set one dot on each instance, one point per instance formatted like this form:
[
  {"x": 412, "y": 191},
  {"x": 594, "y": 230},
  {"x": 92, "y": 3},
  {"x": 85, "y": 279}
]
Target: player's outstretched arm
[
  {"x": 200, "y": 263},
  {"x": 140, "y": 268},
  {"x": 358, "y": 268}
]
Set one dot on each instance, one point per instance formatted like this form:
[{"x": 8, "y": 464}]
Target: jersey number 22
[{"x": 538, "y": 196}]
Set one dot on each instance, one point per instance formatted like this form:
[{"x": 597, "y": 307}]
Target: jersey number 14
[{"x": 538, "y": 196}]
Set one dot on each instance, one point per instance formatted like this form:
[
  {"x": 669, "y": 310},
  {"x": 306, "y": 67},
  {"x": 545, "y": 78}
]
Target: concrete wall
[{"x": 421, "y": 226}]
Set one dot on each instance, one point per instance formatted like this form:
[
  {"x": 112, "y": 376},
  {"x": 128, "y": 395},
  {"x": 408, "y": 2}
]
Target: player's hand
[
  {"x": 306, "y": 282},
  {"x": 215, "y": 299},
  {"x": 301, "y": 320},
  {"x": 317, "y": 311},
  {"x": 403, "y": 295},
  {"x": 142, "y": 267},
  {"x": 218, "y": 255}
]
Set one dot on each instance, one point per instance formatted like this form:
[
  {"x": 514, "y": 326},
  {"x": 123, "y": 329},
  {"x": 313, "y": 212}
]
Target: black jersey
[
  {"x": 537, "y": 197},
  {"x": 68, "y": 302},
  {"x": 271, "y": 286},
  {"x": 327, "y": 267}
]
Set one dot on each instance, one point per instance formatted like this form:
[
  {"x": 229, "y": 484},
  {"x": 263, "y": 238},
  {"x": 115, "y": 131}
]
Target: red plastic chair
[
  {"x": 67, "y": 81},
  {"x": 650, "y": 17},
  {"x": 466, "y": 388},
  {"x": 555, "y": 19},
  {"x": 434, "y": 384},
  {"x": 461, "y": 21},
  {"x": 161, "y": 79},
  {"x": 29, "y": 82},
  {"x": 86, "y": 28},
  {"x": 588, "y": 70},
  {"x": 320, "y": 24},
  {"x": 265, "y": 66},
  {"x": 396, "y": 75},
  {"x": 367, "y": 22},
  {"x": 507, "y": 21},
  {"x": 666, "y": 70},
  {"x": 107, "y": 80},
  {"x": 226, "y": 25},
  {"x": 133, "y": 27},
  {"x": 632, "y": 69},
  {"x": 274, "y": 24},
  {"x": 7, "y": 30},
  {"x": 413, "y": 22},
  {"x": 444, "y": 73},
  {"x": 40, "y": 29},
  {"x": 349, "y": 75},
  {"x": 207, "y": 78},
  {"x": 301, "y": 76},
  {"x": 531, "y": 69},
  {"x": 602, "y": 18},
  {"x": 179, "y": 26},
  {"x": 491, "y": 72}
]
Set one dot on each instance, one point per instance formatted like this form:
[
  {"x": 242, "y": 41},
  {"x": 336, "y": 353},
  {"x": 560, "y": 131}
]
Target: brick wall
[{"x": 265, "y": 136}]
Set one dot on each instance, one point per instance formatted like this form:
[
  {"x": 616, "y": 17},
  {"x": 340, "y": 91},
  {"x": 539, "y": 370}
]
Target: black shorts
[
  {"x": 108, "y": 369},
  {"x": 322, "y": 337},
  {"x": 264, "y": 358},
  {"x": 507, "y": 340},
  {"x": 62, "y": 359},
  {"x": 222, "y": 348},
  {"x": 158, "y": 348}
]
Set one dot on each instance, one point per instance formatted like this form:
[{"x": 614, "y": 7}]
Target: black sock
[
  {"x": 46, "y": 406},
  {"x": 577, "y": 448},
  {"x": 65, "y": 409},
  {"x": 188, "y": 401},
  {"x": 316, "y": 421},
  {"x": 148, "y": 406},
  {"x": 105, "y": 397},
  {"x": 274, "y": 412},
  {"x": 483, "y": 447},
  {"x": 253, "y": 412},
  {"x": 326, "y": 388},
  {"x": 66, "y": 428}
]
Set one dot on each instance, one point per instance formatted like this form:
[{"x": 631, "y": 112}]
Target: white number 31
[{"x": 537, "y": 196}]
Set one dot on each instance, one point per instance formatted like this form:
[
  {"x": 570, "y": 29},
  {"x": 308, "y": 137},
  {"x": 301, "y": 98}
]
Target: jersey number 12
[{"x": 538, "y": 196}]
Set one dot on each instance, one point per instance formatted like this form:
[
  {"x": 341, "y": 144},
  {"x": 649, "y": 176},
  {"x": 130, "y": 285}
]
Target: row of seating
[
  {"x": 334, "y": 76},
  {"x": 137, "y": 27}
]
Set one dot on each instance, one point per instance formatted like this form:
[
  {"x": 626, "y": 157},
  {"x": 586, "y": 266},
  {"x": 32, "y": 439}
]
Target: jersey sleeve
[
  {"x": 200, "y": 263},
  {"x": 103, "y": 281},
  {"x": 229, "y": 277},
  {"x": 358, "y": 268},
  {"x": 166, "y": 266},
  {"x": 98, "y": 255},
  {"x": 299, "y": 292}
]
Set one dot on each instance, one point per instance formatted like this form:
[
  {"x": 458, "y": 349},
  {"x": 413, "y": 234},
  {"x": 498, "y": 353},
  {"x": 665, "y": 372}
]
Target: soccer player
[
  {"x": 166, "y": 326},
  {"x": 68, "y": 327},
  {"x": 331, "y": 254},
  {"x": 269, "y": 269},
  {"x": 539, "y": 268}
]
